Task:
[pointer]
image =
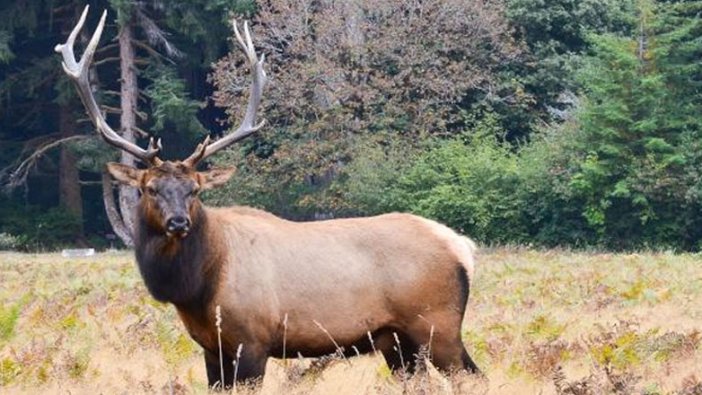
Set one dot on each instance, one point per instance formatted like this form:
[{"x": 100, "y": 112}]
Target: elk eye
[{"x": 151, "y": 191}]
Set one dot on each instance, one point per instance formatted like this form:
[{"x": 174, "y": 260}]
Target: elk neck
[{"x": 183, "y": 271}]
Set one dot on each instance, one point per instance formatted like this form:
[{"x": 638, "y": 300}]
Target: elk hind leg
[
  {"x": 399, "y": 350},
  {"x": 441, "y": 334},
  {"x": 450, "y": 354},
  {"x": 448, "y": 351}
]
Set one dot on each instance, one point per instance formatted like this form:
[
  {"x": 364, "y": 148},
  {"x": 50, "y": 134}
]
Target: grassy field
[{"x": 550, "y": 322}]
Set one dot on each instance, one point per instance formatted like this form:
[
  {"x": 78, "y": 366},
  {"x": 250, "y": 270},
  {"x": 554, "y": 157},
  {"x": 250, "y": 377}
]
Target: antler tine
[
  {"x": 155, "y": 147},
  {"x": 78, "y": 72},
  {"x": 250, "y": 51},
  {"x": 69, "y": 63},
  {"x": 247, "y": 126},
  {"x": 198, "y": 154}
]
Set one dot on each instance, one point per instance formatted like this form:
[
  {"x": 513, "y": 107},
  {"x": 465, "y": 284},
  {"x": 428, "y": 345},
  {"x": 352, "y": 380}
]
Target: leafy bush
[
  {"x": 552, "y": 212},
  {"x": 26, "y": 227},
  {"x": 472, "y": 187},
  {"x": 10, "y": 242},
  {"x": 368, "y": 185},
  {"x": 470, "y": 183}
]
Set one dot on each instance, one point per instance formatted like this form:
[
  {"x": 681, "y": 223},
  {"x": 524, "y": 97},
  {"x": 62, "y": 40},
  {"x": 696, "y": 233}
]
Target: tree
[
  {"x": 342, "y": 72},
  {"x": 556, "y": 35},
  {"x": 636, "y": 128}
]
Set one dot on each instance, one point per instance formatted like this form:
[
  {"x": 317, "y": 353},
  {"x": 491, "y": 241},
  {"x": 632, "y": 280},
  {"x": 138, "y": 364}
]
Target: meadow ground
[{"x": 551, "y": 322}]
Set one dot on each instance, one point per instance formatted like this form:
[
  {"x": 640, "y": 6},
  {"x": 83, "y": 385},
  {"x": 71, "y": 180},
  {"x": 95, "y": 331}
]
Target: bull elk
[{"x": 284, "y": 287}]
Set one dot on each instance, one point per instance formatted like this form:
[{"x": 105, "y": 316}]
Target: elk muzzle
[{"x": 178, "y": 225}]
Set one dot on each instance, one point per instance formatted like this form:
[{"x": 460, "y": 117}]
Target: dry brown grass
[{"x": 551, "y": 322}]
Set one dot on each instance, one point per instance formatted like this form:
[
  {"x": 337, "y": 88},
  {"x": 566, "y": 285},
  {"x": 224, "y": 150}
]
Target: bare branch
[
  {"x": 110, "y": 109},
  {"x": 22, "y": 170},
  {"x": 151, "y": 51},
  {"x": 141, "y": 132},
  {"x": 141, "y": 62},
  {"x": 106, "y": 48},
  {"x": 156, "y": 36}
]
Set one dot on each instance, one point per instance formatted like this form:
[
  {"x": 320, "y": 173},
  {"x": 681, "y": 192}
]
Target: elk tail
[{"x": 468, "y": 257}]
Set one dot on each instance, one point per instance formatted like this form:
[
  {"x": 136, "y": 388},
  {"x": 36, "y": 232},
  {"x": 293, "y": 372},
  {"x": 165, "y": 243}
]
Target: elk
[{"x": 283, "y": 287}]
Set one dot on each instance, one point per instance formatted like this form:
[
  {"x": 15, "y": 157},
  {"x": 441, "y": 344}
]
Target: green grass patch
[
  {"x": 9, "y": 370},
  {"x": 545, "y": 327},
  {"x": 77, "y": 364},
  {"x": 176, "y": 345},
  {"x": 8, "y": 320}
]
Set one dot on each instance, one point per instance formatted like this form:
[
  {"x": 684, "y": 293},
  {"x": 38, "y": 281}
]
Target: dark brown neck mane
[{"x": 181, "y": 271}]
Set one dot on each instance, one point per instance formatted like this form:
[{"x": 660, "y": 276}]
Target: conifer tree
[{"x": 642, "y": 94}]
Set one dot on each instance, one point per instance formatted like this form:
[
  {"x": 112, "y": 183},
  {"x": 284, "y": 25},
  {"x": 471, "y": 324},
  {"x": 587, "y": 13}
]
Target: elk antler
[
  {"x": 247, "y": 126},
  {"x": 78, "y": 72}
]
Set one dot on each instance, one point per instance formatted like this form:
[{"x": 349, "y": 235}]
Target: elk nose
[{"x": 178, "y": 224}]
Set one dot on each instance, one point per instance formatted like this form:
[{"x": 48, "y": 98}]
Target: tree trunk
[
  {"x": 128, "y": 196},
  {"x": 108, "y": 197},
  {"x": 69, "y": 181}
]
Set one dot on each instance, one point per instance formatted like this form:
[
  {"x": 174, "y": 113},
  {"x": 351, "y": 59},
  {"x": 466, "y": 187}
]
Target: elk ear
[
  {"x": 215, "y": 177},
  {"x": 125, "y": 174}
]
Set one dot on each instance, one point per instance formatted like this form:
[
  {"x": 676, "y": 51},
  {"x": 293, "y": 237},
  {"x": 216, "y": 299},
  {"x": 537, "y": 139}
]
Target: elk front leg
[
  {"x": 249, "y": 367},
  {"x": 214, "y": 371}
]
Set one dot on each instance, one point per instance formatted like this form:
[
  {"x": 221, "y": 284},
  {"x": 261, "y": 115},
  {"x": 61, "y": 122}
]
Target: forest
[{"x": 518, "y": 122}]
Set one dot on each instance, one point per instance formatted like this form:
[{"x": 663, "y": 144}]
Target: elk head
[
  {"x": 169, "y": 192},
  {"x": 169, "y": 189}
]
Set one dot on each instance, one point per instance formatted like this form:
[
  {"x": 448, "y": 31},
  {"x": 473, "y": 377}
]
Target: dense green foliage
[
  {"x": 616, "y": 166},
  {"x": 623, "y": 173},
  {"x": 560, "y": 122}
]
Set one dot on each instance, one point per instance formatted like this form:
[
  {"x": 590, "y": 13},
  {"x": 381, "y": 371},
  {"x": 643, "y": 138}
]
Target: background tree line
[{"x": 518, "y": 121}]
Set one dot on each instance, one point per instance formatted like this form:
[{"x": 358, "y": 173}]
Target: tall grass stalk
[
  {"x": 338, "y": 348},
  {"x": 431, "y": 338},
  {"x": 218, "y": 322},
  {"x": 398, "y": 349},
  {"x": 236, "y": 363},
  {"x": 355, "y": 349},
  {"x": 285, "y": 338},
  {"x": 431, "y": 333},
  {"x": 372, "y": 343}
]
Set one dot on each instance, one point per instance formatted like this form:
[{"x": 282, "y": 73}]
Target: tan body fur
[{"x": 302, "y": 283}]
